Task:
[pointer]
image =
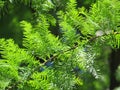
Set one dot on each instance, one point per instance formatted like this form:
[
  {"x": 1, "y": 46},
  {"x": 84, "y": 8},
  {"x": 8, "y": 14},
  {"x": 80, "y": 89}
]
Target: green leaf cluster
[{"x": 72, "y": 55}]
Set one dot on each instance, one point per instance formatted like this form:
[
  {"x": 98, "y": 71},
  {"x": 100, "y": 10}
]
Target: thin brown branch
[{"x": 95, "y": 37}]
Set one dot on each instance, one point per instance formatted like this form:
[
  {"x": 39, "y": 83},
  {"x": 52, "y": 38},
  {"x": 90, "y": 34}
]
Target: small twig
[
  {"x": 95, "y": 37},
  {"x": 62, "y": 52}
]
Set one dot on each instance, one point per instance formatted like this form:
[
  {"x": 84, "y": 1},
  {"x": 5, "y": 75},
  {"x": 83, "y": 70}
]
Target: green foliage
[
  {"x": 1, "y": 4},
  {"x": 72, "y": 56},
  {"x": 118, "y": 73},
  {"x": 118, "y": 88},
  {"x": 104, "y": 16},
  {"x": 15, "y": 64},
  {"x": 36, "y": 40}
]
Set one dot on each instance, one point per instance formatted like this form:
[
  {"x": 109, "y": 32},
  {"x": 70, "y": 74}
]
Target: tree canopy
[{"x": 59, "y": 44}]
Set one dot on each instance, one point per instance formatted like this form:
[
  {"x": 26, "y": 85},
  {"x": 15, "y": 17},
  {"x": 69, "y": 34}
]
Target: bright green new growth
[
  {"x": 16, "y": 64},
  {"x": 19, "y": 67}
]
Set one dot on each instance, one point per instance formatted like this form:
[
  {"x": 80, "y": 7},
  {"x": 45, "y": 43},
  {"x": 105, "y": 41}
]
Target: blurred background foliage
[
  {"x": 10, "y": 17},
  {"x": 12, "y": 13}
]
